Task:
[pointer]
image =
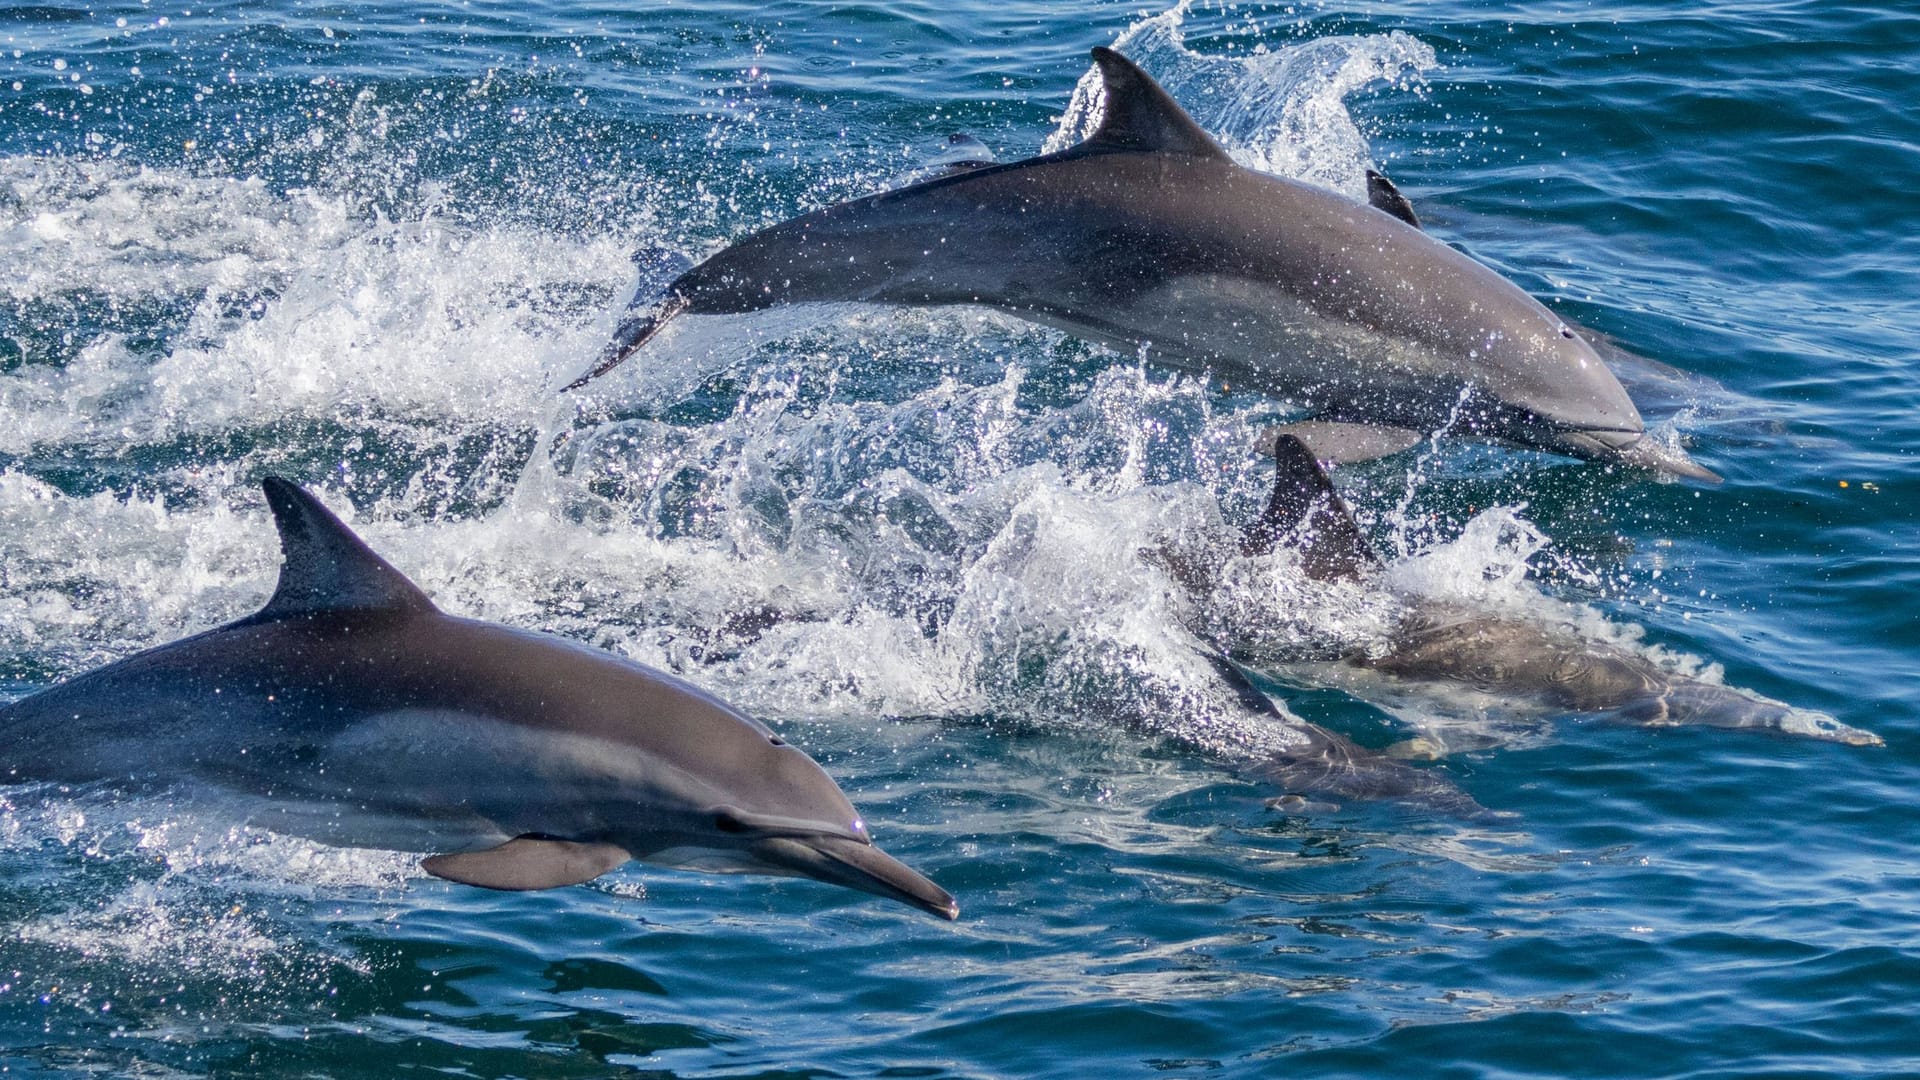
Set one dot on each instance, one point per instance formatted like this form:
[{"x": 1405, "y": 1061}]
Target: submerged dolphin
[
  {"x": 1326, "y": 763},
  {"x": 1517, "y": 660},
  {"x": 1148, "y": 235},
  {"x": 351, "y": 710}
]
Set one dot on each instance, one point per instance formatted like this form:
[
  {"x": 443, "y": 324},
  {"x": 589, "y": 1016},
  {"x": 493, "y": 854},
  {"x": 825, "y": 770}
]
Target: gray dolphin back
[{"x": 1326, "y": 763}]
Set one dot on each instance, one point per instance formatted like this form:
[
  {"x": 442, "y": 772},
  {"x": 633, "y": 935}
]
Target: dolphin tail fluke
[
  {"x": 1327, "y": 764},
  {"x": 1304, "y": 505},
  {"x": 635, "y": 330}
]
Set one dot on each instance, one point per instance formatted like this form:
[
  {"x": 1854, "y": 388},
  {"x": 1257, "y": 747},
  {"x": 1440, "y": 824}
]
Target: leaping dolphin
[
  {"x": 1148, "y": 235},
  {"x": 352, "y": 710}
]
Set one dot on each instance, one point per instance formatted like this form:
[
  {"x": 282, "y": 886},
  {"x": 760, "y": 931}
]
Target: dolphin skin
[
  {"x": 351, "y": 710},
  {"x": 1148, "y": 235},
  {"x": 1326, "y": 763},
  {"x": 1517, "y": 660}
]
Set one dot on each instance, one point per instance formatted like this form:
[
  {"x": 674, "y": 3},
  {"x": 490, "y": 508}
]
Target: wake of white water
[
  {"x": 1279, "y": 111},
  {"x": 163, "y": 896},
  {"x": 268, "y": 306}
]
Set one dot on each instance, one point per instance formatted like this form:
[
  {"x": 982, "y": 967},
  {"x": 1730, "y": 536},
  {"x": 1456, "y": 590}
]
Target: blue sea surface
[{"x": 363, "y": 245}]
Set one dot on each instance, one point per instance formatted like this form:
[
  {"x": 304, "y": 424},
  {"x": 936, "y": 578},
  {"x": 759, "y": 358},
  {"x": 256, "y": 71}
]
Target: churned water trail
[{"x": 974, "y": 567}]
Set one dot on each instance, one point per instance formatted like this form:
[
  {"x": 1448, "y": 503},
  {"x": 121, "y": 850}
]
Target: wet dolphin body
[
  {"x": 1148, "y": 234},
  {"x": 1326, "y": 763},
  {"x": 1521, "y": 661},
  {"x": 351, "y": 710}
]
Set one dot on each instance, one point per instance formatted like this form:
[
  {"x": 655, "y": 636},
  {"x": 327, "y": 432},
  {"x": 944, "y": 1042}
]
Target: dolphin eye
[
  {"x": 1566, "y": 333},
  {"x": 775, "y": 740},
  {"x": 726, "y": 822}
]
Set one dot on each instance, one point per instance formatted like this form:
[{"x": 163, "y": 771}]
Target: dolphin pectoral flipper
[
  {"x": 637, "y": 327},
  {"x": 1305, "y": 503},
  {"x": 528, "y": 862},
  {"x": 1341, "y": 442},
  {"x": 1382, "y": 195}
]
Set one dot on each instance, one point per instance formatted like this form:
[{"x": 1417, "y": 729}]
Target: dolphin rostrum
[
  {"x": 1148, "y": 235},
  {"x": 1519, "y": 661},
  {"x": 350, "y": 709}
]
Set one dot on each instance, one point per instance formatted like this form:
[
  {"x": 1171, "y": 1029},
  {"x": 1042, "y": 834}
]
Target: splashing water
[{"x": 1279, "y": 111}]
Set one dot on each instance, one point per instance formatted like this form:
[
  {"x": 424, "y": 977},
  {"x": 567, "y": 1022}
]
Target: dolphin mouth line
[
  {"x": 1633, "y": 446},
  {"x": 856, "y": 865}
]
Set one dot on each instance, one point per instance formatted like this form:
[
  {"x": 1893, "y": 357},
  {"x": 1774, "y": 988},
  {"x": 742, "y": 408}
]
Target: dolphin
[
  {"x": 1323, "y": 762},
  {"x": 1518, "y": 660},
  {"x": 1149, "y": 236},
  {"x": 351, "y": 710}
]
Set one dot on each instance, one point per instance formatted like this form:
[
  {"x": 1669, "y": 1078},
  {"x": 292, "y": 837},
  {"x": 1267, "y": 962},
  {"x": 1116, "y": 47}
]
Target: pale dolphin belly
[{"x": 1254, "y": 335}]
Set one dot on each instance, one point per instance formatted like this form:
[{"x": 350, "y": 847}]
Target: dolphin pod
[
  {"x": 1148, "y": 235},
  {"x": 1515, "y": 659},
  {"x": 351, "y": 710}
]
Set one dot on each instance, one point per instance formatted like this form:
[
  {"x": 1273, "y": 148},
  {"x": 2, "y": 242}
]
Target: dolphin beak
[
  {"x": 1635, "y": 448},
  {"x": 841, "y": 861},
  {"x": 1652, "y": 454}
]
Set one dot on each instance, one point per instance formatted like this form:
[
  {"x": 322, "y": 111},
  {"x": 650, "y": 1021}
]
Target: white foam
[
  {"x": 290, "y": 305},
  {"x": 1485, "y": 566},
  {"x": 193, "y": 893}
]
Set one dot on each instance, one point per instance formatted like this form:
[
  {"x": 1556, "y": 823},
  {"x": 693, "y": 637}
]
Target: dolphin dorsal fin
[
  {"x": 325, "y": 566},
  {"x": 1140, "y": 115},
  {"x": 1383, "y": 196},
  {"x": 1306, "y": 506},
  {"x": 963, "y": 152}
]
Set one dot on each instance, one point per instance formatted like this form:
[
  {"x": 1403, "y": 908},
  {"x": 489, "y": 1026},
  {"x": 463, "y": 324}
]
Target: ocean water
[{"x": 362, "y": 245}]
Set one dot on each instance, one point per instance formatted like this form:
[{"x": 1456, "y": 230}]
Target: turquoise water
[{"x": 362, "y": 246}]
